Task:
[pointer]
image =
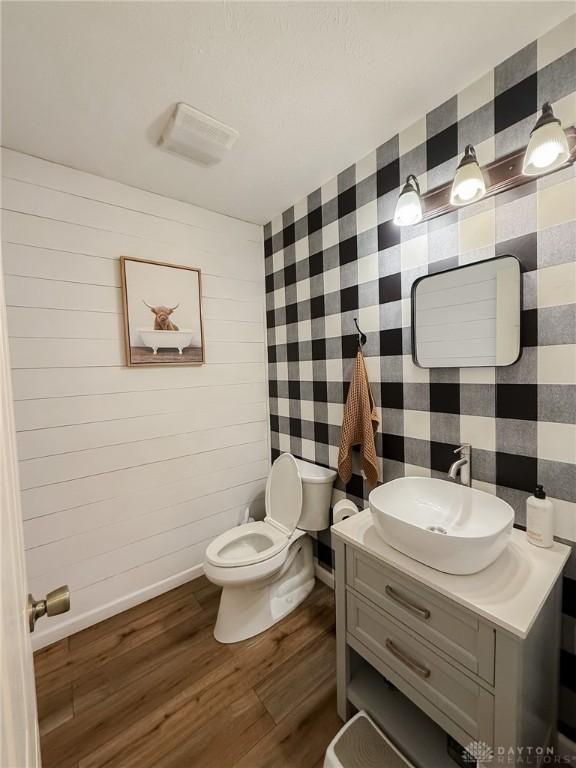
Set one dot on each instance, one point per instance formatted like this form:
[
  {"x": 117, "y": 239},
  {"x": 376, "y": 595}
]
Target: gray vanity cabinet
[{"x": 424, "y": 666}]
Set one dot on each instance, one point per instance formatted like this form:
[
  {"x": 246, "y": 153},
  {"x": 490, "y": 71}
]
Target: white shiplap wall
[{"x": 126, "y": 474}]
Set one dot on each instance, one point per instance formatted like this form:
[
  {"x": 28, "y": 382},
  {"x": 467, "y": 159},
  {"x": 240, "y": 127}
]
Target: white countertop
[{"x": 509, "y": 593}]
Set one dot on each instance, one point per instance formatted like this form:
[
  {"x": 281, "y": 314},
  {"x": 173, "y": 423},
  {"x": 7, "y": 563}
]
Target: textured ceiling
[{"x": 311, "y": 87}]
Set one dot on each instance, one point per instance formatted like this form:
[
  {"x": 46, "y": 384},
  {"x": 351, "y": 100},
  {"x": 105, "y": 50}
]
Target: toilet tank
[{"x": 317, "y": 485}]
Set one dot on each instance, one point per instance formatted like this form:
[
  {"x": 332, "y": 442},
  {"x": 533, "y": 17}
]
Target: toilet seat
[
  {"x": 240, "y": 575},
  {"x": 246, "y": 545},
  {"x": 257, "y": 542}
]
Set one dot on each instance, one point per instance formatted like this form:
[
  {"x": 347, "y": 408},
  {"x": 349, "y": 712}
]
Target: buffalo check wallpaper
[{"x": 336, "y": 255}]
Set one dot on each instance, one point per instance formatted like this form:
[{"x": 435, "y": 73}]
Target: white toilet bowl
[{"x": 266, "y": 568}]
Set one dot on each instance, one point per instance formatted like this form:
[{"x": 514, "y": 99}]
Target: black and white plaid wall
[{"x": 337, "y": 255}]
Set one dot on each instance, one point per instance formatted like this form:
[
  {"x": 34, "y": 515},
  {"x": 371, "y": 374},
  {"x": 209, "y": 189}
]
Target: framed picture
[{"x": 162, "y": 313}]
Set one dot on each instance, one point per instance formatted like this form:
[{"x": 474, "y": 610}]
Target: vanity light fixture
[
  {"x": 409, "y": 206},
  {"x": 550, "y": 148},
  {"x": 468, "y": 185},
  {"x": 548, "y": 145}
]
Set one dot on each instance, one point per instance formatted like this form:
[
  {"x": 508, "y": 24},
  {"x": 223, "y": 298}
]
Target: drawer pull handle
[
  {"x": 423, "y": 613},
  {"x": 410, "y": 663}
]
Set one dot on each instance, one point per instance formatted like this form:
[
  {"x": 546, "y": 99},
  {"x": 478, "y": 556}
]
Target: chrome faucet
[{"x": 462, "y": 465}]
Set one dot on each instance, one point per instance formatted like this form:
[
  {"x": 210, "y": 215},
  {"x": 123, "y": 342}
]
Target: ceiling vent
[{"x": 197, "y": 136}]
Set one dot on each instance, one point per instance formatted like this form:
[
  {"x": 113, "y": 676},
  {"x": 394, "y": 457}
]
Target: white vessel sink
[{"x": 448, "y": 526}]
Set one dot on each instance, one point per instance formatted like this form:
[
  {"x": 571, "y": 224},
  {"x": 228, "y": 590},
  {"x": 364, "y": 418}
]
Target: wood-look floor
[{"x": 151, "y": 687}]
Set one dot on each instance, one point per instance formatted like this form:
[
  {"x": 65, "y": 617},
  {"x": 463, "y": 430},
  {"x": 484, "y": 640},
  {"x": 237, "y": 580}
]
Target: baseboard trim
[
  {"x": 75, "y": 624},
  {"x": 324, "y": 576},
  {"x": 49, "y": 635}
]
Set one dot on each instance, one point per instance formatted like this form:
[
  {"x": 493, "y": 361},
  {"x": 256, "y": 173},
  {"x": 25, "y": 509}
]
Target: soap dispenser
[{"x": 540, "y": 519}]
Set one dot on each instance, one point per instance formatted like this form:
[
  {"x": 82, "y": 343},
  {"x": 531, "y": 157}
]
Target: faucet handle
[{"x": 463, "y": 448}]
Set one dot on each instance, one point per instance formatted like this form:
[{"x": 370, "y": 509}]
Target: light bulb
[
  {"x": 408, "y": 209},
  {"x": 548, "y": 146},
  {"x": 410, "y": 214},
  {"x": 546, "y": 155},
  {"x": 468, "y": 189},
  {"x": 409, "y": 206},
  {"x": 468, "y": 185}
]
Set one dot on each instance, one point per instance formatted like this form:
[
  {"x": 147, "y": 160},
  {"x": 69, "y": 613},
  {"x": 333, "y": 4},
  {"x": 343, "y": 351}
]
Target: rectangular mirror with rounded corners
[{"x": 468, "y": 316}]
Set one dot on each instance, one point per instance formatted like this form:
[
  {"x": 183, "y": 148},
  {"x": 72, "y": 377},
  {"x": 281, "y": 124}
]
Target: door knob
[{"x": 55, "y": 602}]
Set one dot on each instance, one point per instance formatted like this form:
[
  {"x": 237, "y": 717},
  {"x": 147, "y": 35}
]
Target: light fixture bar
[{"x": 500, "y": 175}]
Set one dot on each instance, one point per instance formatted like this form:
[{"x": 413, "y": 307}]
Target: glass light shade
[
  {"x": 468, "y": 185},
  {"x": 547, "y": 149},
  {"x": 408, "y": 208}
]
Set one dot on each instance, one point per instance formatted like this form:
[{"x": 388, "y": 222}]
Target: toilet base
[{"x": 249, "y": 609}]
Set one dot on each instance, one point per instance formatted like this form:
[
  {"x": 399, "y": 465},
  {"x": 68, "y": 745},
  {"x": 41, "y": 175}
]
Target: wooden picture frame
[{"x": 162, "y": 310}]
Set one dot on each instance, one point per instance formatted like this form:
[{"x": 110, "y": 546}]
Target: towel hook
[{"x": 361, "y": 334}]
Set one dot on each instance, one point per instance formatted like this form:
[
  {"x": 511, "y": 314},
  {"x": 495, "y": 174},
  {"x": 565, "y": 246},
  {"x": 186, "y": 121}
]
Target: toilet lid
[{"x": 284, "y": 493}]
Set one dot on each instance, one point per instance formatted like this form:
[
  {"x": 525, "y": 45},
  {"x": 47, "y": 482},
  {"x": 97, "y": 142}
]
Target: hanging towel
[{"x": 358, "y": 426}]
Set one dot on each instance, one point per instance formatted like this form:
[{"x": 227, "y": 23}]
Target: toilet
[{"x": 266, "y": 568}]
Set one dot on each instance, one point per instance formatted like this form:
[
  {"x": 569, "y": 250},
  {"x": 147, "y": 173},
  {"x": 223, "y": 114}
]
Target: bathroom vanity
[{"x": 427, "y": 653}]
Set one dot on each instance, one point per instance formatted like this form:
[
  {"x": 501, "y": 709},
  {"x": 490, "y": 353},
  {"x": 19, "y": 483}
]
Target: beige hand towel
[{"x": 358, "y": 426}]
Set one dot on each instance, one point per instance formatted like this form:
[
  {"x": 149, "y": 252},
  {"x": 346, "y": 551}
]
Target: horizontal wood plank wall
[{"x": 126, "y": 474}]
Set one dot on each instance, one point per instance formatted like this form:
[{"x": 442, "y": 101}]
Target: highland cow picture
[{"x": 162, "y": 313}]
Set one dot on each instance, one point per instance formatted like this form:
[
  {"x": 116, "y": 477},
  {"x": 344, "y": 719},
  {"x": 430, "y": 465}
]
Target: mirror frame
[{"x": 453, "y": 269}]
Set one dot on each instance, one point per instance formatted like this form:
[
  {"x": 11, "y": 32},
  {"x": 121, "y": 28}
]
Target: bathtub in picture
[{"x": 179, "y": 340}]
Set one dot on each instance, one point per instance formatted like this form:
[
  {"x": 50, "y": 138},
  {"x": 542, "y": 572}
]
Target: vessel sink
[{"x": 448, "y": 526}]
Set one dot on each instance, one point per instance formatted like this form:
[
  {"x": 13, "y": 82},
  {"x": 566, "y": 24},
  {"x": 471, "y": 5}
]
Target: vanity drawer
[
  {"x": 456, "y": 632},
  {"x": 414, "y": 666}
]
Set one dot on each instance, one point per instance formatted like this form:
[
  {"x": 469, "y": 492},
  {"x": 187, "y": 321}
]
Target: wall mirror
[{"x": 468, "y": 316}]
